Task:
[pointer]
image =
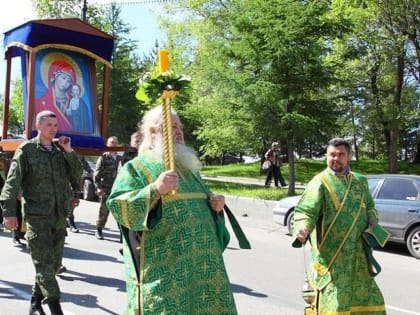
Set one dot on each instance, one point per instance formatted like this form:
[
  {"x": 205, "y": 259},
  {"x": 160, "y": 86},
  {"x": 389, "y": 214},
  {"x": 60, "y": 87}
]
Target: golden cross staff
[{"x": 168, "y": 141}]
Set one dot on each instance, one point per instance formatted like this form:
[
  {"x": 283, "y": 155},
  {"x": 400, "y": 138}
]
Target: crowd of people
[{"x": 166, "y": 222}]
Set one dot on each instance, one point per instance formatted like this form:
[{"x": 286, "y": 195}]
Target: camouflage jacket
[
  {"x": 105, "y": 171},
  {"x": 45, "y": 178}
]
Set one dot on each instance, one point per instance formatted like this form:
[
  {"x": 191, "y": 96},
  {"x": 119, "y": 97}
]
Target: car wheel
[
  {"x": 413, "y": 242},
  {"x": 88, "y": 190},
  {"x": 290, "y": 222}
]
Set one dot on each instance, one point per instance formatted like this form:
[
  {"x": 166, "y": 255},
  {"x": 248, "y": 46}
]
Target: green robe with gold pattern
[
  {"x": 181, "y": 264},
  {"x": 336, "y": 217}
]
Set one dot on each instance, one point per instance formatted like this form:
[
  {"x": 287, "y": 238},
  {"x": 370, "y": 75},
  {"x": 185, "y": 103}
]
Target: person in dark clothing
[
  {"x": 273, "y": 155},
  {"x": 105, "y": 172},
  {"x": 131, "y": 152},
  {"x": 19, "y": 232},
  {"x": 75, "y": 202}
]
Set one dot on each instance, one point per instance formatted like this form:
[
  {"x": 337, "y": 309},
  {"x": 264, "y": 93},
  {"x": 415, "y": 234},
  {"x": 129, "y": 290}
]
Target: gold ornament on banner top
[
  {"x": 164, "y": 86},
  {"x": 163, "y": 83}
]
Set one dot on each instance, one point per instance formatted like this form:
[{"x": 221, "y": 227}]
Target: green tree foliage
[
  {"x": 124, "y": 110},
  {"x": 375, "y": 78},
  {"x": 53, "y": 9},
  {"x": 259, "y": 75},
  {"x": 16, "y": 123}
]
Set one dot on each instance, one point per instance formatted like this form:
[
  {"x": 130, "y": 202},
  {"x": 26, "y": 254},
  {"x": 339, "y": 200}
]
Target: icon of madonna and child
[{"x": 60, "y": 88}]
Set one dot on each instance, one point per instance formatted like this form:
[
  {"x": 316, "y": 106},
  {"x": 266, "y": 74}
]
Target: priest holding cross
[{"x": 173, "y": 260}]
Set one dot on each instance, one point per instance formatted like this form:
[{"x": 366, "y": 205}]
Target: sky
[{"x": 140, "y": 17}]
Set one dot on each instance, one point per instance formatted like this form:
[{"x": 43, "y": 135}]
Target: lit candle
[{"x": 163, "y": 61}]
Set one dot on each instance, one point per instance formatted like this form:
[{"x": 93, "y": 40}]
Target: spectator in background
[
  {"x": 273, "y": 155},
  {"x": 105, "y": 172},
  {"x": 132, "y": 151}
]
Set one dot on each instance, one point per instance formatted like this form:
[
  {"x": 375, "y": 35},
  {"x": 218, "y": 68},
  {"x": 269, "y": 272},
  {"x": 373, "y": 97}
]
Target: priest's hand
[
  {"x": 166, "y": 182},
  {"x": 217, "y": 202},
  {"x": 302, "y": 235}
]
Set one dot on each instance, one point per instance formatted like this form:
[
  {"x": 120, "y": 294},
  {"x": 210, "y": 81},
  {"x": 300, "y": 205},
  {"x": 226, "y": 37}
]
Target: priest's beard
[{"x": 185, "y": 157}]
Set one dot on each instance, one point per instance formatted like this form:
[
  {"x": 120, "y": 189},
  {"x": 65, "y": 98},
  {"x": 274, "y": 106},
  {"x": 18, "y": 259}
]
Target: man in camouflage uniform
[
  {"x": 45, "y": 173},
  {"x": 132, "y": 151},
  {"x": 105, "y": 172}
]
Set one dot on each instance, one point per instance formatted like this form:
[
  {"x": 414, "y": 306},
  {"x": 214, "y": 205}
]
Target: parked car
[
  {"x": 231, "y": 158},
  {"x": 397, "y": 199}
]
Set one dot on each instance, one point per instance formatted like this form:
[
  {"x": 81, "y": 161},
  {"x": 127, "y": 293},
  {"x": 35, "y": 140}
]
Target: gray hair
[{"x": 152, "y": 122}]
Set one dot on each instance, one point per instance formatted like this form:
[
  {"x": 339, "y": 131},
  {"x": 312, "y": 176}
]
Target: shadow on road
[
  {"x": 13, "y": 289},
  {"x": 245, "y": 290},
  {"x": 73, "y": 253},
  {"x": 87, "y": 301}
]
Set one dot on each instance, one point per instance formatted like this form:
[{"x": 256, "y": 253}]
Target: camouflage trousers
[
  {"x": 103, "y": 213},
  {"x": 46, "y": 245}
]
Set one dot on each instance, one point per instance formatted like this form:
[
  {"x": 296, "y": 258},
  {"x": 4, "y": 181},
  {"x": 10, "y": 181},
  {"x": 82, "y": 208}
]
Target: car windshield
[{"x": 373, "y": 182}]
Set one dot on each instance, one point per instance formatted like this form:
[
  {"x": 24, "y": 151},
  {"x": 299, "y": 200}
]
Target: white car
[{"x": 283, "y": 211}]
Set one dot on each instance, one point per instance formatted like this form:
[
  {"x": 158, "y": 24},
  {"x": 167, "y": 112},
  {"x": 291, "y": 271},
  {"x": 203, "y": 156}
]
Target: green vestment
[
  {"x": 336, "y": 210},
  {"x": 181, "y": 263}
]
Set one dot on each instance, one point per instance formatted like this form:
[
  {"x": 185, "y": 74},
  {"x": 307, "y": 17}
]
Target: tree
[
  {"x": 260, "y": 75},
  {"x": 375, "y": 73},
  {"x": 16, "y": 118},
  {"x": 16, "y": 123},
  {"x": 125, "y": 110}
]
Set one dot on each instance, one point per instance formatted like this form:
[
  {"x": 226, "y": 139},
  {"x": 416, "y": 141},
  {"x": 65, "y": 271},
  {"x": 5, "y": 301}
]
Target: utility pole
[{"x": 84, "y": 10}]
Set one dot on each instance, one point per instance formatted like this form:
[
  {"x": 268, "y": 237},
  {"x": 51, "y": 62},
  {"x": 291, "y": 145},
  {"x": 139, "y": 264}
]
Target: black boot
[
  {"x": 99, "y": 234},
  {"x": 16, "y": 237},
  {"x": 55, "y": 307},
  {"x": 36, "y": 308},
  {"x": 73, "y": 226}
]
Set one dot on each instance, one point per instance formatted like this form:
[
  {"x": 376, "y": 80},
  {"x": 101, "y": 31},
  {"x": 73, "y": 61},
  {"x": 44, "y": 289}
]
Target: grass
[
  {"x": 250, "y": 191},
  {"x": 304, "y": 171}
]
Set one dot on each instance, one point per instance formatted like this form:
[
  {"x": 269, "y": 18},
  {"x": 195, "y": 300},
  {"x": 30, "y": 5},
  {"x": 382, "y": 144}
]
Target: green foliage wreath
[{"x": 152, "y": 86}]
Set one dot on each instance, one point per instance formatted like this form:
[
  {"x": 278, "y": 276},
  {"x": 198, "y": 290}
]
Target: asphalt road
[{"x": 266, "y": 279}]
